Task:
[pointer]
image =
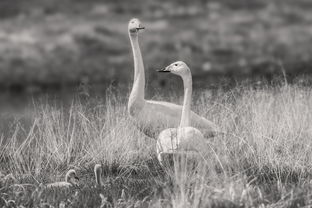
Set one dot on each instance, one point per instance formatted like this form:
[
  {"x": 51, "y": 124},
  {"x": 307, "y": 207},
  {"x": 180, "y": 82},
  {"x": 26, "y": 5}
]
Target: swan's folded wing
[
  {"x": 207, "y": 127},
  {"x": 156, "y": 116},
  {"x": 173, "y": 112},
  {"x": 161, "y": 114},
  {"x": 170, "y": 109}
]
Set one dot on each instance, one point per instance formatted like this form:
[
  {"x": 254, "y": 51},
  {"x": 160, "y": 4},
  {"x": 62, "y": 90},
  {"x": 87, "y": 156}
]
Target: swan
[
  {"x": 184, "y": 139},
  {"x": 97, "y": 173},
  {"x": 149, "y": 115},
  {"x": 70, "y": 181}
]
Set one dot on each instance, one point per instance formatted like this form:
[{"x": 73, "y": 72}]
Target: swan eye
[{"x": 176, "y": 64}]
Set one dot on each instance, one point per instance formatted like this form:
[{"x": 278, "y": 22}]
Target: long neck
[
  {"x": 68, "y": 179},
  {"x": 98, "y": 178},
  {"x": 186, "y": 108},
  {"x": 137, "y": 92}
]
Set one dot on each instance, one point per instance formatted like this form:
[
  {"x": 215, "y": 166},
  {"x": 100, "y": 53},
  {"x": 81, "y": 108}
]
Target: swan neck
[
  {"x": 67, "y": 178},
  {"x": 98, "y": 178},
  {"x": 186, "y": 108},
  {"x": 139, "y": 77}
]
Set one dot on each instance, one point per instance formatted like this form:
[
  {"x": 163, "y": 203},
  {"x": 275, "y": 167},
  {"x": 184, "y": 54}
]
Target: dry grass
[{"x": 264, "y": 160}]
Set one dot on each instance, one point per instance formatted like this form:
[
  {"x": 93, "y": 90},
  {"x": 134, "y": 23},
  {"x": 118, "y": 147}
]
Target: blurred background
[{"x": 63, "y": 44}]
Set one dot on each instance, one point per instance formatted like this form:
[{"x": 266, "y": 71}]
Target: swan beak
[
  {"x": 140, "y": 28},
  {"x": 76, "y": 178},
  {"x": 164, "y": 70}
]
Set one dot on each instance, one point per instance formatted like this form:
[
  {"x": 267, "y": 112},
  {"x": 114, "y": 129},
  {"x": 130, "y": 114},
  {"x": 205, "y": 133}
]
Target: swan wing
[
  {"x": 158, "y": 115},
  {"x": 61, "y": 184},
  {"x": 191, "y": 139}
]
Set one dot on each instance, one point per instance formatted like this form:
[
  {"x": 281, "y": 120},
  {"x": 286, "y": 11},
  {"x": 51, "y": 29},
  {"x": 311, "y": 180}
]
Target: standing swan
[
  {"x": 185, "y": 137},
  {"x": 70, "y": 181},
  {"x": 152, "y": 116}
]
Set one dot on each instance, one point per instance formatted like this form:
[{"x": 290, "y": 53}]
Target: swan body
[
  {"x": 154, "y": 116},
  {"x": 183, "y": 138},
  {"x": 60, "y": 184},
  {"x": 70, "y": 181},
  {"x": 149, "y": 115}
]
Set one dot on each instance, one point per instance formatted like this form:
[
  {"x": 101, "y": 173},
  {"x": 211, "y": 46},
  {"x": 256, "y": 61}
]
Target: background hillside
[{"x": 58, "y": 43}]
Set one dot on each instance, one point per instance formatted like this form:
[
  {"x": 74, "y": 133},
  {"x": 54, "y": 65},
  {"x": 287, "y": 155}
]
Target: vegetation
[{"x": 264, "y": 160}]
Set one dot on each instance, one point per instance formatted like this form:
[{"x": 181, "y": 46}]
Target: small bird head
[
  {"x": 179, "y": 68},
  {"x": 71, "y": 177},
  {"x": 135, "y": 26}
]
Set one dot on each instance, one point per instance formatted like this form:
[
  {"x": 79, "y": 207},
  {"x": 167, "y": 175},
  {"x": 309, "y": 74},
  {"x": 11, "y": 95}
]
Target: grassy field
[{"x": 264, "y": 161}]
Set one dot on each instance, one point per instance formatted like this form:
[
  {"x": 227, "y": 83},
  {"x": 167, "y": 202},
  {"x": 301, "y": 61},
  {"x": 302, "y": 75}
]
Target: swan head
[
  {"x": 179, "y": 68},
  {"x": 135, "y": 26},
  {"x": 71, "y": 177}
]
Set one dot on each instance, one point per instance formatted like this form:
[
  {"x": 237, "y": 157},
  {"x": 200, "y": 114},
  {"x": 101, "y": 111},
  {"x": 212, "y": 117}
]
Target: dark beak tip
[{"x": 140, "y": 28}]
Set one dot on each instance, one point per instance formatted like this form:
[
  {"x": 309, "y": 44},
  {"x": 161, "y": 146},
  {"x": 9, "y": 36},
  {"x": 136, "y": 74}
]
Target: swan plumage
[
  {"x": 184, "y": 138},
  {"x": 70, "y": 181},
  {"x": 153, "y": 116}
]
